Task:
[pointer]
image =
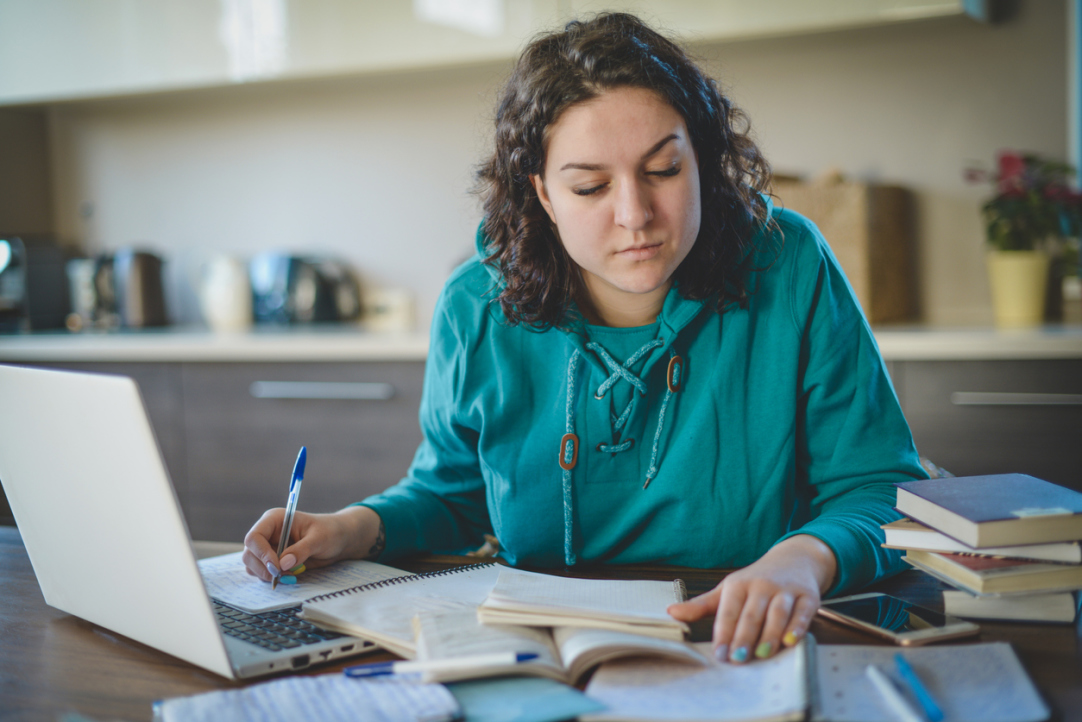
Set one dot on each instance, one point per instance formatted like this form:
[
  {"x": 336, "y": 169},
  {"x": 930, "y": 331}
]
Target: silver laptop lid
[{"x": 92, "y": 499}]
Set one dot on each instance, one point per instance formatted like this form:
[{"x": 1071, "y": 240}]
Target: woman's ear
[{"x": 543, "y": 196}]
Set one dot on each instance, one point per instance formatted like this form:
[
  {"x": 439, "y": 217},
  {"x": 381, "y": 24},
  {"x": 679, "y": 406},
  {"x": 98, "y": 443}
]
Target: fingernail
[
  {"x": 722, "y": 652},
  {"x": 740, "y": 654},
  {"x": 287, "y": 580},
  {"x": 288, "y": 561},
  {"x": 789, "y": 639},
  {"x": 297, "y": 569},
  {"x": 272, "y": 569},
  {"x": 763, "y": 650}
]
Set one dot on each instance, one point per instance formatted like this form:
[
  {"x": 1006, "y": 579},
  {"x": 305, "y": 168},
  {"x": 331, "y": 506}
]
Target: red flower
[{"x": 1012, "y": 171}]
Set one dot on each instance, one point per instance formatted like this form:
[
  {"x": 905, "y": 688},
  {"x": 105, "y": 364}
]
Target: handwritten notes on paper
[
  {"x": 327, "y": 698},
  {"x": 228, "y": 581}
]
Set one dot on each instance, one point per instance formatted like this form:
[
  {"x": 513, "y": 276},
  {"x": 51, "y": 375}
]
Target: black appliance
[{"x": 33, "y": 284}]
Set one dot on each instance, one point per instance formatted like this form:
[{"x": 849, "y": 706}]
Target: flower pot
[{"x": 1019, "y": 280}]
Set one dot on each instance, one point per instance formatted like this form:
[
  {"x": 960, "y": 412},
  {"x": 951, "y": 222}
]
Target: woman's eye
[
  {"x": 667, "y": 173},
  {"x": 587, "y": 191}
]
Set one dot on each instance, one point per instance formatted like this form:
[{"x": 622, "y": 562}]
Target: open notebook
[
  {"x": 382, "y": 612},
  {"x": 826, "y": 683}
]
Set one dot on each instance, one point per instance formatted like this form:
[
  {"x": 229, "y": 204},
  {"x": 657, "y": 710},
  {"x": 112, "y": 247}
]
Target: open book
[
  {"x": 383, "y": 612},
  {"x": 565, "y": 654},
  {"x": 542, "y": 600}
]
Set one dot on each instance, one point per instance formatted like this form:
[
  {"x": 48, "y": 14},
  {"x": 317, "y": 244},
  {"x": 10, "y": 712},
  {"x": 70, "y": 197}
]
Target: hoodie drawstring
[{"x": 569, "y": 444}]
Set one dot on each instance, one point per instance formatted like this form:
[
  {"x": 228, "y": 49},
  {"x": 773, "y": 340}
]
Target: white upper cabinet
[{"x": 52, "y": 50}]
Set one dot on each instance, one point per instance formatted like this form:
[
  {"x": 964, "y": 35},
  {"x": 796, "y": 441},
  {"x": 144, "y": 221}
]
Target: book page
[
  {"x": 228, "y": 581},
  {"x": 645, "y": 689},
  {"x": 642, "y": 601},
  {"x": 326, "y": 697},
  {"x": 970, "y": 682},
  {"x": 442, "y": 635},
  {"x": 582, "y": 648}
]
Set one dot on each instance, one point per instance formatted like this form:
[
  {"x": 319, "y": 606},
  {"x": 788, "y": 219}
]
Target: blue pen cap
[{"x": 298, "y": 468}]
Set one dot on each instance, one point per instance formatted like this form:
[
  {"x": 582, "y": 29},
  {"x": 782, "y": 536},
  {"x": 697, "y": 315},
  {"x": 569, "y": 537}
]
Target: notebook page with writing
[
  {"x": 383, "y": 612},
  {"x": 970, "y": 682},
  {"x": 325, "y": 697},
  {"x": 228, "y": 581},
  {"x": 770, "y": 690},
  {"x": 562, "y": 601}
]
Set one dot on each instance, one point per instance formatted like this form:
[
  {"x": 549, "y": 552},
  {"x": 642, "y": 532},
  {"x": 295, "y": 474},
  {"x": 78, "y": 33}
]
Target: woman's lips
[{"x": 640, "y": 253}]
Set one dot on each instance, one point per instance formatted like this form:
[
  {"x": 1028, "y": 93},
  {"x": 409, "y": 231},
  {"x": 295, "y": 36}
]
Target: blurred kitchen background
[{"x": 336, "y": 141}]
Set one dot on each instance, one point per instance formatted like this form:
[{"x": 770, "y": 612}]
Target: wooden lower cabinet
[
  {"x": 992, "y": 417},
  {"x": 241, "y": 448}
]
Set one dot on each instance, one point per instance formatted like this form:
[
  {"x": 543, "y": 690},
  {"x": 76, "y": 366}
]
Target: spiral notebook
[{"x": 382, "y": 612}]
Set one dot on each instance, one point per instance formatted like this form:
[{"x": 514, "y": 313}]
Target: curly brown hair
[{"x": 585, "y": 59}]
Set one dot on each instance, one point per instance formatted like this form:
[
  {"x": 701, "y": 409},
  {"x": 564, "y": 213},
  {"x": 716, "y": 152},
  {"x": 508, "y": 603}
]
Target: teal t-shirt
[{"x": 786, "y": 423}]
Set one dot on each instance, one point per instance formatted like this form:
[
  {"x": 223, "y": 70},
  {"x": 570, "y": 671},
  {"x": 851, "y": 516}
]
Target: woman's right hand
[{"x": 355, "y": 532}]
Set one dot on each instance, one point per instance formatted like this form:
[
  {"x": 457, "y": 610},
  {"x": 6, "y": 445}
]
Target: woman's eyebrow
[{"x": 598, "y": 166}]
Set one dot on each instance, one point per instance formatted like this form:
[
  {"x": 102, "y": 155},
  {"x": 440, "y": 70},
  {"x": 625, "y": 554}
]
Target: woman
[{"x": 646, "y": 362}]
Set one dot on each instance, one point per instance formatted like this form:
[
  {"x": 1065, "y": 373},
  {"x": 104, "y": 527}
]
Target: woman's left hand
[{"x": 767, "y": 604}]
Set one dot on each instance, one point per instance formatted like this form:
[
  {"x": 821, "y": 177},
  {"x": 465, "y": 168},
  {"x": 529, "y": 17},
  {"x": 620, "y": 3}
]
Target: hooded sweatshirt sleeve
[
  {"x": 853, "y": 441},
  {"x": 440, "y": 504}
]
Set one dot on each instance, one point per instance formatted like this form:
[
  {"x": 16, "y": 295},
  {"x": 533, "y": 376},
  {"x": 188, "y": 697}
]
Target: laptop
[{"x": 105, "y": 534}]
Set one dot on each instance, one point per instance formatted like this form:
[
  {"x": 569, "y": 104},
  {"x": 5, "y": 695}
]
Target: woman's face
[{"x": 621, "y": 184}]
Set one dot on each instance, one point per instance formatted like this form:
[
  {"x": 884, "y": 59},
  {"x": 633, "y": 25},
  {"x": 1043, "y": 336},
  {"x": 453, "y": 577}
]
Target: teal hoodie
[{"x": 701, "y": 440}]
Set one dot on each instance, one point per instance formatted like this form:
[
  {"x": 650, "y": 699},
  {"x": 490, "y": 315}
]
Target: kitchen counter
[
  {"x": 334, "y": 343},
  {"x": 927, "y": 343},
  {"x": 179, "y": 344}
]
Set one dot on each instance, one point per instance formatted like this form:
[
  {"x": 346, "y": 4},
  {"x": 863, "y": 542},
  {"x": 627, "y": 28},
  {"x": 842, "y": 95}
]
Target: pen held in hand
[
  {"x": 477, "y": 661},
  {"x": 291, "y": 508}
]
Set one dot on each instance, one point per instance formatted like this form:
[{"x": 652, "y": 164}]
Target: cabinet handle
[
  {"x": 346, "y": 390},
  {"x": 991, "y": 398}
]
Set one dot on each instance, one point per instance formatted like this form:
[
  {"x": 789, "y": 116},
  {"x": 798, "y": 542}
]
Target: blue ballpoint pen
[
  {"x": 291, "y": 508},
  {"x": 924, "y": 697}
]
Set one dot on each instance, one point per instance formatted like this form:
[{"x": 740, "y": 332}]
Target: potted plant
[{"x": 1027, "y": 221}]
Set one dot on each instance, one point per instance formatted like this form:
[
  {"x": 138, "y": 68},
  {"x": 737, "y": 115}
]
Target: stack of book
[{"x": 1009, "y": 543}]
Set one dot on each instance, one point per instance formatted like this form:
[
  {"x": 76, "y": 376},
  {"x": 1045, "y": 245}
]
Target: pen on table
[
  {"x": 291, "y": 508},
  {"x": 924, "y": 697},
  {"x": 891, "y": 696},
  {"x": 496, "y": 659}
]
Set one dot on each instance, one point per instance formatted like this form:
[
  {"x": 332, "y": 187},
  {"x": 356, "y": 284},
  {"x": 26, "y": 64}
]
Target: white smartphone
[{"x": 895, "y": 619}]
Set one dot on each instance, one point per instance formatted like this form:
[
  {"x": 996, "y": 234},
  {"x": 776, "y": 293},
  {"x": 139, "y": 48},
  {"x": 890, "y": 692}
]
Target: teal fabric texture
[{"x": 782, "y": 421}]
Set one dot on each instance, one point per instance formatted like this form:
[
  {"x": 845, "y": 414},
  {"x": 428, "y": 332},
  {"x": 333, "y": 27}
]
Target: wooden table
[{"x": 52, "y": 663}]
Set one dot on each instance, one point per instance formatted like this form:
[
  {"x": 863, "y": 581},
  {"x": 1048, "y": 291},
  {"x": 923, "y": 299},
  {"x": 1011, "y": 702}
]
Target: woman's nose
[{"x": 633, "y": 207}]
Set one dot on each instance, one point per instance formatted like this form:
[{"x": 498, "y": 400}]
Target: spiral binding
[
  {"x": 396, "y": 580},
  {"x": 681, "y": 589}
]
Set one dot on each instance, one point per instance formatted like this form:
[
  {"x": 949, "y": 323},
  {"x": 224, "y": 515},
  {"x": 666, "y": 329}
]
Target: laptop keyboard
[{"x": 274, "y": 630}]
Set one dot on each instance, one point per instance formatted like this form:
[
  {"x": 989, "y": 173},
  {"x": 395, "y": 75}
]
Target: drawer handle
[
  {"x": 989, "y": 398},
  {"x": 344, "y": 390}
]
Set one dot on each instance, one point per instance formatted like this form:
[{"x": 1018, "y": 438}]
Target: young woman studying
[{"x": 647, "y": 361}]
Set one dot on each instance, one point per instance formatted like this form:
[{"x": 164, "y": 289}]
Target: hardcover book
[
  {"x": 1055, "y": 607},
  {"x": 995, "y": 510},
  {"x": 909, "y": 534},
  {"x": 994, "y": 575}
]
